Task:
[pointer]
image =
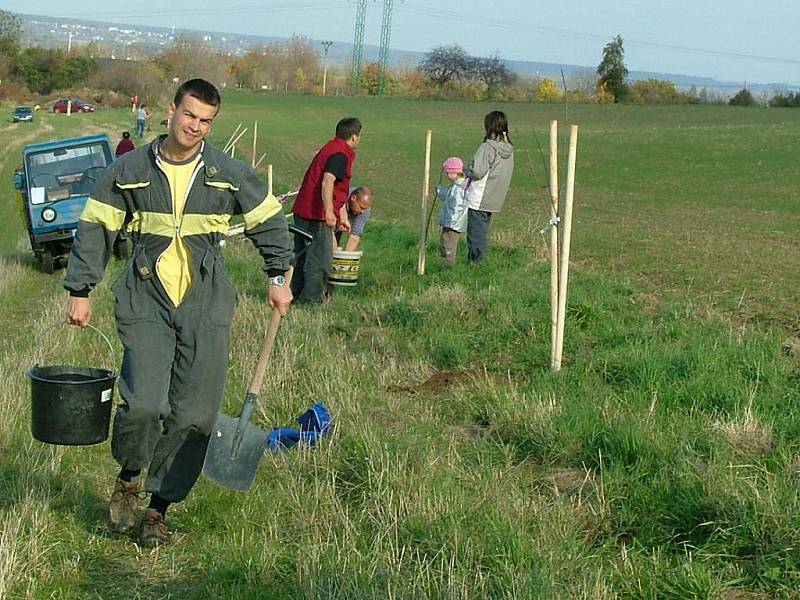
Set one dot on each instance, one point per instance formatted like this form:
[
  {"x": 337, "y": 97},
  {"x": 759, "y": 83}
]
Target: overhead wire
[
  {"x": 497, "y": 23},
  {"x": 428, "y": 11},
  {"x": 246, "y": 9}
]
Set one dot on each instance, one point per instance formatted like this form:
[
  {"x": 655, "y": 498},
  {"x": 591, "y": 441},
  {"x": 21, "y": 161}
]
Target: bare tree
[
  {"x": 126, "y": 77},
  {"x": 293, "y": 65},
  {"x": 492, "y": 71},
  {"x": 192, "y": 57},
  {"x": 446, "y": 63}
]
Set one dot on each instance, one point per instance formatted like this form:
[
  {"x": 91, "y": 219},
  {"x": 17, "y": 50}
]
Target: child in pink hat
[{"x": 453, "y": 217}]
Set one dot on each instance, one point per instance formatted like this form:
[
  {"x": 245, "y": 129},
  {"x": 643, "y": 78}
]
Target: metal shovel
[{"x": 236, "y": 445}]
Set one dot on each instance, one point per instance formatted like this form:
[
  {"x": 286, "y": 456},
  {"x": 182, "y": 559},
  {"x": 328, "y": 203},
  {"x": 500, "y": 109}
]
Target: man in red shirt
[{"x": 324, "y": 191}]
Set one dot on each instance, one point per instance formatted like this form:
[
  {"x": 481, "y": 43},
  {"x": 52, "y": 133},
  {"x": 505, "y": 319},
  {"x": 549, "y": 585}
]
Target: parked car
[
  {"x": 22, "y": 113},
  {"x": 78, "y": 105}
]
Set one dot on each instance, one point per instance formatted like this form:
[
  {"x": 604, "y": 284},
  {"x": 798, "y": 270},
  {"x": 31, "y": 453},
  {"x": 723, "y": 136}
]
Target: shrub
[
  {"x": 547, "y": 91},
  {"x": 785, "y": 100},
  {"x": 742, "y": 98},
  {"x": 656, "y": 91}
]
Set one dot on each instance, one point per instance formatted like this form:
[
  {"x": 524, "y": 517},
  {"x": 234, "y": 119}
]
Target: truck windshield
[{"x": 66, "y": 172}]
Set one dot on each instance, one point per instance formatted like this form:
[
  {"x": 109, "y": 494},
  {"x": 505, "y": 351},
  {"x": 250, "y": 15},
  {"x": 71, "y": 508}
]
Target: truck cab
[{"x": 53, "y": 184}]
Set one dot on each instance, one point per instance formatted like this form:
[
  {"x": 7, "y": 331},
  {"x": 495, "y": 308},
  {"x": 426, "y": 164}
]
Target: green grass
[{"x": 661, "y": 462}]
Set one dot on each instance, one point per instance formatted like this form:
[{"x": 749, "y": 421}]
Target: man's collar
[{"x": 156, "y": 144}]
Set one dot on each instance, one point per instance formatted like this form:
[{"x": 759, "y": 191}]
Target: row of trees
[
  {"x": 613, "y": 77},
  {"x": 451, "y": 71},
  {"x": 294, "y": 66},
  {"x": 278, "y": 66},
  {"x": 41, "y": 69}
]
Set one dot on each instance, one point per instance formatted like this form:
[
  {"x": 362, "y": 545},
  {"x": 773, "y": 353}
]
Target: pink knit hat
[{"x": 453, "y": 165}]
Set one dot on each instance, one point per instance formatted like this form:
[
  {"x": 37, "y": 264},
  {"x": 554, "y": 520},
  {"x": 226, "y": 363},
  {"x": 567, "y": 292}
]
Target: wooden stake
[
  {"x": 565, "y": 242},
  {"x": 269, "y": 179},
  {"x": 258, "y": 162},
  {"x": 236, "y": 139},
  {"x": 255, "y": 141},
  {"x": 423, "y": 225},
  {"x": 553, "y": 241},
  {"x": 235, "y": 131}
]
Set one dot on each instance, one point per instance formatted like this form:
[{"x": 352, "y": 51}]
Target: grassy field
[{"x": 662, "y": 462}]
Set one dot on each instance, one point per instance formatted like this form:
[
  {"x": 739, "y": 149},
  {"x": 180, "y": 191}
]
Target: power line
[
  {"x": 567, "y": 33},
  {"x": 214, "y": 11},
  {"x": 419, "y": 9}
]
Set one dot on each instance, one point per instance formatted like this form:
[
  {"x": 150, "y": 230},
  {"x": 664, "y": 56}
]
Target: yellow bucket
[{"x": 345, "y": 268}]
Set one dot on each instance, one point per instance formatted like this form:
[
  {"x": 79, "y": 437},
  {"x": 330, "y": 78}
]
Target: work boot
[
  {"x": 154, "y": 531},
  {"x": 123, "y": 510}
]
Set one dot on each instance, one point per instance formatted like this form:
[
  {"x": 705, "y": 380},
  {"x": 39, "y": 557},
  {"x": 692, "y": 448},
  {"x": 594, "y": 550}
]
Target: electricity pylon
[
  {"x": 358, "y": 46},
  {"x": 386, "y": 34}
]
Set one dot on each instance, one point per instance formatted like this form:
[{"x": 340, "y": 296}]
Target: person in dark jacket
[
  {"x": 489, "y": 176},
  {"x": 174, "y": 303},
  {"x": 322, "y": 195},
  {"x": 125, "y": 145}
]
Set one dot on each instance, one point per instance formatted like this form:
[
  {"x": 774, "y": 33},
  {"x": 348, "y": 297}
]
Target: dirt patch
[
  {"x": 740, "y": 594},
  {"x": 649, "y": 302},
  {"x": 753, "y": 442},
  {"x": 468, "y": 433},
  {"x": 791, "y": 347},
  {"x": 749, "y": 437},
  {"x": 566, "y": 482},
  {"x": 442, "y": 381},
  {"x": 368, "y": 334}
]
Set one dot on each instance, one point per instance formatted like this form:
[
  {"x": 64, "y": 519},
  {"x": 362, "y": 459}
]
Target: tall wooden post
[
  {"x": 255, "y": 141},
  {"x": 566, "y": 237},
  {"x": 423, "y": 222},
  {"x": 553, "y": 241}
]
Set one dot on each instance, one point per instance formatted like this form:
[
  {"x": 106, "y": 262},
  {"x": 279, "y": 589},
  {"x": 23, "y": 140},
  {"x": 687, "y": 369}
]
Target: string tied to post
[{"x": 551, "y": 223}]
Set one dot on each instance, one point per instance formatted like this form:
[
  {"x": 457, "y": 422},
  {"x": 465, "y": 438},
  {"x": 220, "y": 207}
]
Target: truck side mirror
[{"x": 19, "y": 180}]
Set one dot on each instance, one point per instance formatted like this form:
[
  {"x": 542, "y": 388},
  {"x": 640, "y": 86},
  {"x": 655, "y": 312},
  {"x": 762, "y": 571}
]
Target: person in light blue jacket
[{"x": 453, "y": 217}]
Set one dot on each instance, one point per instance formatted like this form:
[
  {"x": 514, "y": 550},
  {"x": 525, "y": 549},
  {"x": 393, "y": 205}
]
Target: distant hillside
[{"x": 120, "y": 38}]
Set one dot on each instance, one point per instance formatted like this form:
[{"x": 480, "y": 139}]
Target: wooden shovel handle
[{"x": 266, "y": 347}]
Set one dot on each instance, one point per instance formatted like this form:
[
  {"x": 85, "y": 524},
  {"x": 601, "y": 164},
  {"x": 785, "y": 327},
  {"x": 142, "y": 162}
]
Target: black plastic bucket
[{"x": 71, "y": 406}]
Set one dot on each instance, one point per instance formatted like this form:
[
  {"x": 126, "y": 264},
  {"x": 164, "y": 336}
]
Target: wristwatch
[{"x": 278, "y": 280}]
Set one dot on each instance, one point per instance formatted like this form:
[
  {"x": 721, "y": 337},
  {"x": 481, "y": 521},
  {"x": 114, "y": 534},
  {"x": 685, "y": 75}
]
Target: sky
[{"x": 729, "y": 40}]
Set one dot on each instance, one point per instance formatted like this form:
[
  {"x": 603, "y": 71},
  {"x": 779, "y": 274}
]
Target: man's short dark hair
[
  {"x": 200, "y": 89},
  {"x": 348, "y": 127},
  {"x": 126, "y": 135}
]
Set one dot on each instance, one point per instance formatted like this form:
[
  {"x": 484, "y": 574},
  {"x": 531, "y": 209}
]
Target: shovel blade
[{"x": 234, "y": 468}]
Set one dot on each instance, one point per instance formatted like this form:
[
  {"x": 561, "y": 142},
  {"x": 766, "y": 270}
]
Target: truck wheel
[
  {"x": 121, "y": 249},
  {"x": 47, "y": 262}
]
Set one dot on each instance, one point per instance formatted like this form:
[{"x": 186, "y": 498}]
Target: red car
[{"x": 78, "y": 105}]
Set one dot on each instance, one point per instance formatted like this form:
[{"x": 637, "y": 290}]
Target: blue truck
[{"x": 52, "y": 186}]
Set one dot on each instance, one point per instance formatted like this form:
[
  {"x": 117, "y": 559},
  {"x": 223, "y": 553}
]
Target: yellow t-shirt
[{"x": 174, "y": 266}]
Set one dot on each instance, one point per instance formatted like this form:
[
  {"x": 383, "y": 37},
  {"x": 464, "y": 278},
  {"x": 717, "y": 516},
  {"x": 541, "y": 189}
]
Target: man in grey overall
[{"x": 174, "y": 303}]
